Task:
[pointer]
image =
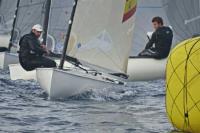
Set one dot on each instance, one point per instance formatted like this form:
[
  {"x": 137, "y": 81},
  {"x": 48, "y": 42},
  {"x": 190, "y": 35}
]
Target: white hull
[
  {"x": 4, "y": 40},
  {"x": 143, "y": 69},
  {"x": 7, "y": 58},
  {"x": 139, "y": 69},
  {"x": 17, "y": 72},
  {"x": 58, "y": 83}
]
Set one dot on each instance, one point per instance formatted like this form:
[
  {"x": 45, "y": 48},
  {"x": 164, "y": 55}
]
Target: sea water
[{"x": 137, "y": 108}]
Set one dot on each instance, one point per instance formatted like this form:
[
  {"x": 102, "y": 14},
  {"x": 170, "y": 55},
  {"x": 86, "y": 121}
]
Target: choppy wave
[
  {"x": 139, "y": 107},
  {"x": 31, "y": 88}
]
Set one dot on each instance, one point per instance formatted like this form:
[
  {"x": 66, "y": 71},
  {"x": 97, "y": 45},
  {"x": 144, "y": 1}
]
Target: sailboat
[
  {"x": 100, "y": 38},
  {"x": 30, "y": 13},
  {"x": 54, "y": 14},
  {"x": 142, "y": 69},
  {"x": 27, "y": 13},
  {"x": 7, "y": 16}
]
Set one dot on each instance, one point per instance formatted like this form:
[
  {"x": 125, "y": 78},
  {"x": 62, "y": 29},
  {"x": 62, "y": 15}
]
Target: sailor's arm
[
  {"x": 36, "y": 48},
  {"x": 151, "y": 41}
]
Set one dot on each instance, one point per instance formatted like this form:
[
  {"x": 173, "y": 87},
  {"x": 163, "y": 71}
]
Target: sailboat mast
[
  {"x": 46, "y": 21},
  {"x": 68, "y": 35},
  {"x": 13, "y": 26}
]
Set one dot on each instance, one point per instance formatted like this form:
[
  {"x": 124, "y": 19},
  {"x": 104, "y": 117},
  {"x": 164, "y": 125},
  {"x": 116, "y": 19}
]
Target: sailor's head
[
  {"x": 157, "y": 22},
  {"x": 37, "y": 30}
]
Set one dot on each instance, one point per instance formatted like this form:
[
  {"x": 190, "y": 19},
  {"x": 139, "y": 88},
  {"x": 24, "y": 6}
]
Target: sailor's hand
[{"x": 45, "y": 48}]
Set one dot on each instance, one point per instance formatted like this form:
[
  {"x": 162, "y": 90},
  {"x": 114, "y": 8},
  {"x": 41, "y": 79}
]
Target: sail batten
[{"x": 101, "y": 35}]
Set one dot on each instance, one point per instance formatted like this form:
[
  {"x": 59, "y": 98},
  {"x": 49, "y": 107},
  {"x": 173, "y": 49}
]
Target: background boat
[
  {"x": 153, "y": 69},
  {"x": 27, "y": 14}
]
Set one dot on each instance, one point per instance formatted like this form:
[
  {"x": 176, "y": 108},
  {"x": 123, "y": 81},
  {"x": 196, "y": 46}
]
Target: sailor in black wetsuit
[
  {"x": 160, "y": 43},
  {"x": 31, "y": 51}
]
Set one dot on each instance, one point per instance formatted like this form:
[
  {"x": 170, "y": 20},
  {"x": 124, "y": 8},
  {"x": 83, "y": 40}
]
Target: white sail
[
  {"x": 102, "y": 33},
  {"x": 7, "y": 12},
  {"x": 58, "y": 23},
  {"x": 30, "y": 12}
]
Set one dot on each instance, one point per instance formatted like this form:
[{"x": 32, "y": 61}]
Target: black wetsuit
[
  {"x": 31, "y": 53},
  {"x": 162, "y": 41},
  {"x": 3, "y": 49}
]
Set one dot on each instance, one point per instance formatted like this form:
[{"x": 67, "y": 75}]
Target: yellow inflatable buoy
[{"x": 183, "y": 86}]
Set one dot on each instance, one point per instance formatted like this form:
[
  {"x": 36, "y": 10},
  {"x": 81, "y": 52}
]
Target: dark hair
[{"x": 158, "y": 20}]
